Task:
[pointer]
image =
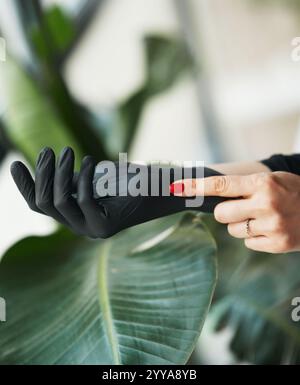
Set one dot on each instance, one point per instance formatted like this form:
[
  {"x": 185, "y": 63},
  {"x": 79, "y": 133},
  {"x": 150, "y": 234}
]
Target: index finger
[{"x": 230, "y": 186}]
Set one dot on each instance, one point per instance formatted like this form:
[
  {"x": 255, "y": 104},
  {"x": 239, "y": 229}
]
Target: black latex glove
[{"x": 73, "y": 201}]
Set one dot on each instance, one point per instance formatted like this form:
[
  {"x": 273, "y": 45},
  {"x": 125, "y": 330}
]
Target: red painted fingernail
[{"x": 176, "y": 188}]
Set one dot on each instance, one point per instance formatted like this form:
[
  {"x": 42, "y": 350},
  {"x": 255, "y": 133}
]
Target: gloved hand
[{"x": 76, "y": 202}]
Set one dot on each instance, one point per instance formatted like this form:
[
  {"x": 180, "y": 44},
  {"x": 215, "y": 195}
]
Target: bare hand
[{"x": 266, "y": 212}]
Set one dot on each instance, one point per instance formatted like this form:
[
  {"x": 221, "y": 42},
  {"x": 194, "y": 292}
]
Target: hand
[
  {"x": 51, "y": 192},
  {"x": 269, "y": 202},
  {"x": 75, "y": 202}
]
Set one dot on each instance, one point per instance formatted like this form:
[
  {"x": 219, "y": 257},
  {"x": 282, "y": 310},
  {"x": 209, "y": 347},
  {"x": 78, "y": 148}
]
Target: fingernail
[{"x": 176, "y": 188}]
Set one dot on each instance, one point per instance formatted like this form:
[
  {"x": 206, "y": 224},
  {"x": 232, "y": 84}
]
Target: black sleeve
[{"x": 288, "y": 163}]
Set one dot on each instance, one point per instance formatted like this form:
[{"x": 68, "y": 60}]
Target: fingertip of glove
[
  {"x": 46, "y": 150},
  {"x": 87, "y": 160},
  {"x": 67, "y": 150},
  {"x": 15, "y": 166},
  {"x": 46, "y": 154},
  {"x": 66, "y": 154}
]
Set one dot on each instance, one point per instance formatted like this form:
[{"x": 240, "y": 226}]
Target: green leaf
[
  {"x": 139, "y": 298},
  {"x": 258, "y": 309},
  {"x": 166, "y": 59},
  {"x": 30, "y": 121},
  {"x": 5, "y": 146},
  {"x": 253, "y": 299},
  {"x": 233, "y": 256},
  {"x": 60, "y": 28},
  {"x": 48, "y": 32}
]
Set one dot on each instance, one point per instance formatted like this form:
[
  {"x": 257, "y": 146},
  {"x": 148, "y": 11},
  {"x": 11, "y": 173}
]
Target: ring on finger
[{"x": 248, "y": 229}]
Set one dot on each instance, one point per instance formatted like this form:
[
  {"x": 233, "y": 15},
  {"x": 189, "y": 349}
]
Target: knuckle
[
  {"x": 221, "y": 184},
  {"x": 219, "y": 215},
  {"x": 270, "y": 182},
  {"x": 82, "y": 201},
  {"x": 268, "y": 201},
  {"x": 278, "y": 224},
  {"x": 42, "y": 203},
  {"x": 60, "y": 202},
  {"x": 82, "y": 204},
  {"x": 262, "y": 179},
  {"x": 258, "y": 179},
  {"x": 194, "y": 185},
  {"x": 273, "y": 203}
]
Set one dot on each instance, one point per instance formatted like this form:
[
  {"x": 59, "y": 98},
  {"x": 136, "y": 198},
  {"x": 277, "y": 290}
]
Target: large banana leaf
[{"x": 139, "y": 298}]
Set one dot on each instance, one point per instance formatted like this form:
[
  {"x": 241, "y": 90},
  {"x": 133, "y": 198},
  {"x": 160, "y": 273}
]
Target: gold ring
[{"x": 248, "y": 228}]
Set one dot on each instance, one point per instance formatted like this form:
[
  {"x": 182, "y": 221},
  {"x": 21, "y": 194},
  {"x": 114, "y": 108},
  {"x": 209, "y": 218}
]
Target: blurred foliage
[
  {"x": 92, "y": 286},
  {"x": 46, "y": 75},
  {"x": 293, "y": 4},
  {"x": 101, "y": 134},
  {"x": 258, "y": 310},
  {"x": 62, "y": 32},
  {"x": 254, "y": 290},
  {"x": 119, "y": 124},
  {"x": 232, "y": 255},
  {"x": 4, "y": 143},
  {"x": 166, "y": 60},
  {"x": 253, "y": 298},
  {"x": 30, "y": 119}
]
